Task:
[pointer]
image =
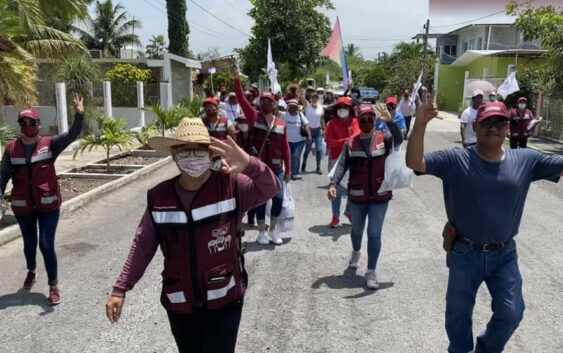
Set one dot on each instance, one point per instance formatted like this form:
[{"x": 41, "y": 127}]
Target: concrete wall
[
  {"x": 450, "y": 87},
  {"x": 181, "y": 82},
  {"x": 468, "y": 35}
]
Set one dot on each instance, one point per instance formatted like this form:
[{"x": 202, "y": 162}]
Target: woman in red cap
[
  {"x": 269, "y": 143},
  {"x": 30, "y": 162},
  {"x": 218, "y": 126},
  {"x": 338, "y": 131},
  {"x": 364, "y": 155},
  {"x": 520, "y": 119}
]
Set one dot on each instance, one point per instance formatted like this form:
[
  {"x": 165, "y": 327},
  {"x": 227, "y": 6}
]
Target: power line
[
  {"x": 377, "y": 40},
  {"x": 218, "y": 19},
  {"x": 475, "y": 19}
]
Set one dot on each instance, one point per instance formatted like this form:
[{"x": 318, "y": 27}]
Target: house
[{"x": 478, "y": 52}]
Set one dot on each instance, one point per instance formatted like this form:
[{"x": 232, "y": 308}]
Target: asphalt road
[{"x": 301, "y": 297}]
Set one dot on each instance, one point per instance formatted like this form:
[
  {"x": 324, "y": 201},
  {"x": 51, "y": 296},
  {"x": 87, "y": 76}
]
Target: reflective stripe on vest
[
  {"x": 356, "y": 192},
  {"x": 169, "y": 217},
  {"x": 19, "y": 203},
  {"x": 49, "y": 200},
  {"x": 41, "y": 157},
  {"x": 17, "y": 161},
  {"x": 279, "y": 130},
  {"x": 260, "y": 126},
  {"x": 362, "y": 154},
  {"x": 214, "y": 209},
  {"x": 276, "y": 161},
  {"x": 176, "y": 297},
  {"x": 221, "y": 292}
]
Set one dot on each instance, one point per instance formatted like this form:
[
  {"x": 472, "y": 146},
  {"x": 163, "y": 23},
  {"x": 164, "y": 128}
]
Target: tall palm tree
[
  {"x": 353, "y": 50},
  {"x": 23, "y": 27},
  {"x": 110, "y": 30},
  {"x": 156, "y": 49}
]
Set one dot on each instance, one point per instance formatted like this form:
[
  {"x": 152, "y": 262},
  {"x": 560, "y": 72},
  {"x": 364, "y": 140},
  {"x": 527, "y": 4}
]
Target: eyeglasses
[
  {"x": 190, "y": 152},
  {"x": 497, "y": 124},
  {"x": 24, "y": 123}
]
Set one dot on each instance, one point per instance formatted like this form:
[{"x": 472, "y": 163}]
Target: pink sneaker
[
  {"x": 54, "y": 296},
  {"x": 29, "y": 280},
  {"x": 334, "y": 223}
]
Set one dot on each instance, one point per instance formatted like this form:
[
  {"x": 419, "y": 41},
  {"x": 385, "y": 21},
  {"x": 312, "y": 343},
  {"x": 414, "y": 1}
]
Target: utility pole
[{"x": 426, "y": 29}]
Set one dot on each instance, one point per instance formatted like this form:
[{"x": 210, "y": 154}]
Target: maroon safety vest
[
  {"x": 35, "y": 183},
  {"x": 519, "y": 124},
  {"x": 367, "y": 171},
  {"x": 243, "y": 141},
  {"x": 220, "y": 129},
  {"x": 203, "y": 263},
  {"x": 274, "y": 146}
]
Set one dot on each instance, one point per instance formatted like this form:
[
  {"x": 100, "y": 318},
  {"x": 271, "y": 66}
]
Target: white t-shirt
[
  {"x": 407, "y": 108},
  {"x": 232, "y": 112},
  {"x": 314, "y": 115},
  {"x": 468, "y": 117},
  {"x": 294, "y": 126}
]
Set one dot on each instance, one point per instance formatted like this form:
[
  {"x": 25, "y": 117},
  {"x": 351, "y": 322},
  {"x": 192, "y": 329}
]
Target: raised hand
[
  {"x": 384, "y": 113},
  {"x": 427, "y": 110},
  {"x": 77, "y": 104},
  {"x": 235, "y": 71},
  {"x": 233, "y": 158}
]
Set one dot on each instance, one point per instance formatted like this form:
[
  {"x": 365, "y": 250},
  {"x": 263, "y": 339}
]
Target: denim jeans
[
  {"x": 375, "y": 213},
  {"x": 277, "y": 204},
  {"x": 47, "y": 227},
  {"x": 340, "y": 191},
  {"x": 296, "y": 149},
  {"x": 499, "y": 270},
  {"x": 408, "y": 120},
  {"x": 317, "y": 139}
]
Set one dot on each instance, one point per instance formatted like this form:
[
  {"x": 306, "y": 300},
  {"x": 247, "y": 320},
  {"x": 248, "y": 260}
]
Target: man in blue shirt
[
  {"x": 485, "y": 188},
  {"x": 398, "y": 118}
]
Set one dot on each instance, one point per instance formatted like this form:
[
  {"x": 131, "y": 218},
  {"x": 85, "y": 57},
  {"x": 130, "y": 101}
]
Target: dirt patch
[
  {"x": 135, "y": 160},
  {"x": 112, "y": 170},
  {"x": 72, "y": 187}
]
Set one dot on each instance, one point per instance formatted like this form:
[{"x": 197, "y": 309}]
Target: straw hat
[{"x": 189, "y": 131}]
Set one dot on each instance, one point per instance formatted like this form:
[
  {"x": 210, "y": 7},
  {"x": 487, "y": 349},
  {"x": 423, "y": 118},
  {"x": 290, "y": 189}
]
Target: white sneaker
[
  {"x": 262, "y": 238},
  {"x": 355, "y": 259},
  {"x": 371, "y": 280},
  {"x": 275, "y": 236}
]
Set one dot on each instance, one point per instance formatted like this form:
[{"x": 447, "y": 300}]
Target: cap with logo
[
  {"x": 28, "y": 113},
  {"x": 491, "y": 109}
]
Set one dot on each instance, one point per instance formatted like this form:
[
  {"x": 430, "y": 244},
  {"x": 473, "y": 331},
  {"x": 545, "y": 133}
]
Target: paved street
[{"x": 301, "y": 297}]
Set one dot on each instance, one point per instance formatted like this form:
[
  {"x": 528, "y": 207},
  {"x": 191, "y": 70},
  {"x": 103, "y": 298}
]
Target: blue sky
[{"x": 374, "y": 25}]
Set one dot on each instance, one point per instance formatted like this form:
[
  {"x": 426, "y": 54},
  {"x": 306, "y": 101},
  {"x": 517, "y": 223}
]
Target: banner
[{"x": 335, "y": 51}]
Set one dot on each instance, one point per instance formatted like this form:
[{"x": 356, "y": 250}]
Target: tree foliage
[
  {"x": 127, "y": 73},
  {"x": 157, "y": 47},
  {"x": 404, "y": 64},
  {"x": 110, "y": 29},
  {"x": 178, "y": 29},
  {"x": 298, "y": 32},
  {"x": 168, "y": 119},
  {"x": 353, "y": 50},
  {"x": 78, "y": 73}
]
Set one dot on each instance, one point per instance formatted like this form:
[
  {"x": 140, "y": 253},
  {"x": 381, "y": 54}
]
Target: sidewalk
[{"x": 536, "y": 143}]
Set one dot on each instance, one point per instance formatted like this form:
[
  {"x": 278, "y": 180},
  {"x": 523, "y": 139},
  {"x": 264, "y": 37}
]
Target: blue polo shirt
[
  {"x": 398, "y": 118},
  {"x": 485, "y": 200}
]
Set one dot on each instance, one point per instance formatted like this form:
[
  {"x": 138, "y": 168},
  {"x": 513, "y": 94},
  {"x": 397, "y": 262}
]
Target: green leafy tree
[
  {"x": 178, "y": 29},
  {"x": 124, "y": 87},
  {"x": 404, "y": 65},
  {"x": 298, "y": 31},
  {"x": 112, "y": 133},
  {"x": 353, "y": 50},
  {"x": 110, "y": 29},
  {"x": 192, "y": 105},
  {"x": 157, "y": 48},
  {"x": 168, "y": 119},
  {"x": 78, "y": 73},
  {"x": 376, "y": 77},
  {"x": 142, "y": 136}
]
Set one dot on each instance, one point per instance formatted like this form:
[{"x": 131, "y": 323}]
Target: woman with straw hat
[{"x": 195, "y": 218}]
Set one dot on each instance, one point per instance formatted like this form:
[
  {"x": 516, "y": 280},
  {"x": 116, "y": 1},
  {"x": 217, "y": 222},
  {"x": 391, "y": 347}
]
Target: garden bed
[
  {"x": 132, "y": 160},
  {"x": 72, "y": 187}
]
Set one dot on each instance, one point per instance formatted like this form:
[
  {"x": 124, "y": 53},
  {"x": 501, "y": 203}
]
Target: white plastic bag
[
  {"x": 397, "y": 174},
  {"x": 287, "y": 216}
]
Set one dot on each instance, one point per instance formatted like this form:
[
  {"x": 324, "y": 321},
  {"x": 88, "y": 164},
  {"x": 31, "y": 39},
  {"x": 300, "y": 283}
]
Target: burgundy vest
[
  {"x": 35, "y": 184},
  {"x": 203, "y": 263},
  {"x": 367, "y": 171},
  {"x": 519, "y": 125},
  {"x": 220, "y": 129},
  {"x": 274, "y": 146}
]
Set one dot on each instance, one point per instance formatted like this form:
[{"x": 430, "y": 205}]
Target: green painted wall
[{"x": 450, "y": 87}]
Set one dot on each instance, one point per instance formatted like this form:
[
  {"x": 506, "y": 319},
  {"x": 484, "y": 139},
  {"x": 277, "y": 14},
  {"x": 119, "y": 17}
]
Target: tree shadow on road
[
  {"x": 349, "y": 280},
  {"x": 24, "y": 297},
  {"x": 335, "y": 233}
]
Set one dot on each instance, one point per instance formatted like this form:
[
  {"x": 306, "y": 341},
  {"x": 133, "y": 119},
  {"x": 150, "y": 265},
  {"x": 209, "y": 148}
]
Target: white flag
[
  {"x": 350, "y": 80},
  {"x": 272, "y": 71},
  {"x": 211, "y": 70},
  {"x": 509, "y": 86},
  {"x": 327, "y": 79},
  {"x": 416, "y": 87}
]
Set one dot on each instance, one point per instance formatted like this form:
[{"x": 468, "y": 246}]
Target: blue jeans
[
  {"x": 277, "y": 204},
  {"x": 340, "y": 191},
  {"x": 296, "y": 149},
  {"x": 408, "y": 120},
  {"x": 47, "y": 228},
  {"x": 499, "y": 270},
  {"x": 317, "y": 139},
  {"x": 375, "y": 213}
]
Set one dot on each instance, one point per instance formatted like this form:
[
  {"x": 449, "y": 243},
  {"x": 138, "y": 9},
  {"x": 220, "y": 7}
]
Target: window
[
  {"x": 480, "y": 43},
  {"x": 471, "y": 44},
  {"x": 464, "y": 46}
]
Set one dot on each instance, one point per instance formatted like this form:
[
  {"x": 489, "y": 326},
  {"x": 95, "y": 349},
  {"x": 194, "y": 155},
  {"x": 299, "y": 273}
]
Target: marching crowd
[{"x": 248, "y": 146}]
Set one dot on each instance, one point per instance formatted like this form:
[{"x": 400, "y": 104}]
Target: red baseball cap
[
  {"x": 268, "y": 95},
  {"x": 210, "y": 101},
  {"x": 223, "y": 89},
  {"x": 28, "y": 113},
  {"x": 391, "y": 100},
  {"x": 490, "y": 109},
  {"x": 344, "y": 101},
  {"x": 522, "y": 99},
  {"x": 365, "y": 109}
]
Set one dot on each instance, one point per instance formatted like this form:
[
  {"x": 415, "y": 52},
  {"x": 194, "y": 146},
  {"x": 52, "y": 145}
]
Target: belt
[{"x": 482, "y": 247}]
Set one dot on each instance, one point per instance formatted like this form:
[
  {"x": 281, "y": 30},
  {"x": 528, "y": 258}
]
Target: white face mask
[
  {"x": 343, "y": 113},
  {"x": 243, "y": 127},
  {"x": 522, "y": 106},
  {"x": 193, "y": 166}
]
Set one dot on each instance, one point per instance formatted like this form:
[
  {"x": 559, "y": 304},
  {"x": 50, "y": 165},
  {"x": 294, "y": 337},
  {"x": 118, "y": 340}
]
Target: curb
[{"x": 13, "y": 232}]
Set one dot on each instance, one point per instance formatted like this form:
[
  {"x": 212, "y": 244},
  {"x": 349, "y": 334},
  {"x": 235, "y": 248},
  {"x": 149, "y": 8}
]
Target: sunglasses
[
  {"x": 367, "y": 120},
  {"x": 196, "y": 153},
  {"x": 497, "y": 124},
  {"x": 391, "y": 106},
  {"x": 24, "y": 123}
]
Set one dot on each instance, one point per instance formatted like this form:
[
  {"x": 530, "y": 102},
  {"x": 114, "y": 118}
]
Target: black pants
[
  {"x": 516, "y": 142},
  {"x": 208, "y": 331}
]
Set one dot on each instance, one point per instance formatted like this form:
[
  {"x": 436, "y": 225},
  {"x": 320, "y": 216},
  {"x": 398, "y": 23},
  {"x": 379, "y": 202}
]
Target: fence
[{"x": 552, "y": 125}]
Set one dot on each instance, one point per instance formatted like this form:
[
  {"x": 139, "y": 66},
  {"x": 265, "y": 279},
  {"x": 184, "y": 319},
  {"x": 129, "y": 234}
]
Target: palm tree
[
  {"x": 156, "y": 49},
  {"x": 24, "y": 31},
  {"x": 168, "y": 119},
  {"x": 110, "y": 30},
  {"x": 353, "y": 50},
  {"x": 113, "y": 132}
]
